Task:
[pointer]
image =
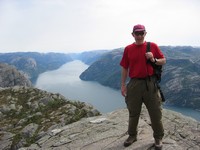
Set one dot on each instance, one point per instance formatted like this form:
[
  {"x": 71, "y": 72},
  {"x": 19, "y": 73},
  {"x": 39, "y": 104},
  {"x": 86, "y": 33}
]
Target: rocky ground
[
  {"x": 108, "y": 132},
  {"x": 28, "y": 114}
]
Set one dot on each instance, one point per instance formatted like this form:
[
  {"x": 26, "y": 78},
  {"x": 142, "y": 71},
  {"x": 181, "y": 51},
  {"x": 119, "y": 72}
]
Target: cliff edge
[
  {"x": 28, "y": 114},
  {"x": 109, "y": 131}
]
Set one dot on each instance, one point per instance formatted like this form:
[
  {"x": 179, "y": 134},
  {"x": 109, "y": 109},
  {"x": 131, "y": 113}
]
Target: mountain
[
  {"x": 105, "y": 69},
  {"x": 180, "y": 78},
  {"x": 32, "y": 63},
  {"x": 88, "y": 57},
  {"x": 27, "y": 114},
  {"x": 36, "y": 119},
  {"x": 10, "y": 76}
]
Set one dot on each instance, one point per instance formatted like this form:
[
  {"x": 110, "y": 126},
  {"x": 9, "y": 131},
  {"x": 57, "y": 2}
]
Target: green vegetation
[{"x": 22, "y": 106}]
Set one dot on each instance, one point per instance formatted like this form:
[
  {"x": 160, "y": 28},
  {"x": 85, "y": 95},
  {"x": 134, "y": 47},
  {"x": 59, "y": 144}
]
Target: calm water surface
[{"x": 65, "y": 81}]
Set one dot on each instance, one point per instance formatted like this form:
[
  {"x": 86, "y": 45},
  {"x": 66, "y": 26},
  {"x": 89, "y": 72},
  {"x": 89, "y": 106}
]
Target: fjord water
[{"x": 65, "y": 81}]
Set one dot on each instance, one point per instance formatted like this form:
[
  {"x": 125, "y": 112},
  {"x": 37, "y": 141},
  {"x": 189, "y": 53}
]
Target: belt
[
  {"x": 150, "y": 78},
  {"x": 142, "y": 78},
  {"x": 146, "y": 78}
]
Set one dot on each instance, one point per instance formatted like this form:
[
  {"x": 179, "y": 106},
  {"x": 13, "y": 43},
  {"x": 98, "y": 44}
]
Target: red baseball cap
[{"x": 138, "y": 27}]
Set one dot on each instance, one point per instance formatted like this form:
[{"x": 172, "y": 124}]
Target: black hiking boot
[{"x": 129, "y": 141}]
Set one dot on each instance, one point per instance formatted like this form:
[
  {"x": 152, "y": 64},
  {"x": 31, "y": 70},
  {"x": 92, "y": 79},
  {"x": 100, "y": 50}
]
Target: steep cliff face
[
  {"x": 105, "y": 70},
  {"x": 180, "y": 83},
  {"x": 180, "y": 78},
  {"x": 33, "y": 63},
  {"x": 10, "y": 76},
  {"x": 28, "y": 114}
]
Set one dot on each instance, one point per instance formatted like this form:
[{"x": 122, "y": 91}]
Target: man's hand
[
  {"x": 123, "y": 90},
  {"x": 149, "y": 56}
]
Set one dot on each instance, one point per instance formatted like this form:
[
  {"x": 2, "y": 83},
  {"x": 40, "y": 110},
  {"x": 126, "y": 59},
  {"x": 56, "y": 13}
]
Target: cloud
[{"x": 66, "y": 25}]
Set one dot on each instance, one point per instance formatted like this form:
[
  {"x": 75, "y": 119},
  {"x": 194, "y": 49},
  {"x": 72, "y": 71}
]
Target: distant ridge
[
  {"x": 180, "y": 80},
  {"x": 33, "y": 63}
]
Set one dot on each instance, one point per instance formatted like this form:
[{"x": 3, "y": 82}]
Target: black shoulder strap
[
  {"x": 148, "y": 47},
  {"x": 157, "y": 68}
]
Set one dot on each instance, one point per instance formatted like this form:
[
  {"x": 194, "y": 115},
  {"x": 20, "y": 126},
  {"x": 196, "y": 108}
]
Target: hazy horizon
[
  {"x": 76, "y": 26},
  {"x": 76, "y": 52}
]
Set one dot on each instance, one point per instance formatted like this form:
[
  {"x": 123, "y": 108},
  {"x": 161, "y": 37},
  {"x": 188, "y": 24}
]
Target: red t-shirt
[{"x": 134, "y": 59}]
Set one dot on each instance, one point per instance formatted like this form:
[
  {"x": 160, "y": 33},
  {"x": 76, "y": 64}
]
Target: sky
[{"x": 84, "y": 25}]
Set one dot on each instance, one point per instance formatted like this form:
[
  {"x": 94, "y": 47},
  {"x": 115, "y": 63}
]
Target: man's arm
[
  {"x": 160, "y": 61},
  {"x": 157, "y": 61},
  {"x": 124, "y": 75}
]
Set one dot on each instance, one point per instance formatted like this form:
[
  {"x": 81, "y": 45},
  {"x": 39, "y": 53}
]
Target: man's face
[{"x": 139, "y": 35}]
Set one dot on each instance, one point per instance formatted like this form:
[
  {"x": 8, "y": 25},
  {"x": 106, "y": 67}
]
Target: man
[{"x": 141, "y": 87}]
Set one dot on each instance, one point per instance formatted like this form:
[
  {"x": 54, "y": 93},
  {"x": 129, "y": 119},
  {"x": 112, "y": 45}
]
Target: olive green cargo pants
[{"x": 144, "y": 91}]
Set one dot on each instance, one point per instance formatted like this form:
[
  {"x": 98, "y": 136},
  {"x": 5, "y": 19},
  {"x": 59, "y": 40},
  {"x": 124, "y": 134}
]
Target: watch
[{"x": 155, "y": 60}]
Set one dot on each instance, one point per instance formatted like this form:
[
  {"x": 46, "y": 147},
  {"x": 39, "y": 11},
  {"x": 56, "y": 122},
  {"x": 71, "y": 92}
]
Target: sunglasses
[{"x": 137, "y": 33}]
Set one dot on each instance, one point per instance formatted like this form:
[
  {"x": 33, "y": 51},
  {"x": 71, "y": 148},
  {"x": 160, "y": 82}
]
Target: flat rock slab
[{"x": 109, "y": 131}]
